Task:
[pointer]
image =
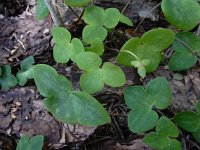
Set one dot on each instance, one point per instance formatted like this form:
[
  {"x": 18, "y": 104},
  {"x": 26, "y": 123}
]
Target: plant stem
[
  {"x": 147, "y": 16},
  {"x": 125, "y": 6},
  {"x": 132, "y": 54},
  {"x": 55, "y": 15}
]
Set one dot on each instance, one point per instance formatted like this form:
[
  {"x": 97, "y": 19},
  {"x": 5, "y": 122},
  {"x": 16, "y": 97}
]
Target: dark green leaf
[{"x": 184, "y": 14}]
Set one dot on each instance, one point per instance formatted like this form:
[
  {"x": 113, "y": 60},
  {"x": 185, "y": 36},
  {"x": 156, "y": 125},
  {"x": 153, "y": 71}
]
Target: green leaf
[
  {"x": 97, "y": 47},
  {"x": 60, "y": 53},
  {"x": 92, "y": 81},
  {"x": 112, "y": 17},
  {"x": 157, "y": 93},
  {"x": 89, "y": 111},
  {"x": 184, "y": 14},
  {"x": 77, "y": 3},
  {"x": 189, "y": 121},
  {"x": 142, "y": 71},
  {"x": 142, "y": 119},
  {"x": 69, "y": 106},
  {"x": 154, "y": 140},
  {"x": 41, "y": 10},
  {"x": 166, "y": 128},
  {"x": 7, "y": 80},
  {"x": 184, "y": 57},
  {"x": 161, "y": 99},
  {"x": 34, "y": 143},
  {"x": 47, "y": 80},
  {"x": 113, "y": 75},
  {"x": 61, "y": 35},
  {"x": 26, "y": 70},
  {"x": 93, "y": 32},
  {"x": 125, "y": 20},
  {"x": 148, "y": 47},
  {"x": 196, "y": 135},
  {"x": 94, "y": 15},
  {"x": 88, "y": 61}
]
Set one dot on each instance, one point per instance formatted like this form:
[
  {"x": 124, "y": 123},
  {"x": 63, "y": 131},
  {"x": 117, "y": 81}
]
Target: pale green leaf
[
  {"x": 41, "y": 10},
  {"x": 125, "y": 20},
  {"x": 96, "y": 46},
  {"x": 77, "y": 3},
  {"x": 112, "y": 17},
  {"x": 61, "y": 35}
]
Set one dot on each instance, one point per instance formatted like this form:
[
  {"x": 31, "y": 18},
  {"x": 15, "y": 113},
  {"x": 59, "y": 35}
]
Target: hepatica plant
[
  {"x": 145, "y": 53},
  {"x": 69, "y": 106},
  {"x": 93, "y": 78},
  {"x": 141, "y": 101}
]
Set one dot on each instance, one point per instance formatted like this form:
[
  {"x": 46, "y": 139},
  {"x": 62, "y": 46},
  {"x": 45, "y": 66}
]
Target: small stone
[{"x": 18, "y": 104}]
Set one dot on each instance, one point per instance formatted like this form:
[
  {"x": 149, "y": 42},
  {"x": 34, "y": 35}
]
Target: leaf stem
[{"x": 132, "y": 54}]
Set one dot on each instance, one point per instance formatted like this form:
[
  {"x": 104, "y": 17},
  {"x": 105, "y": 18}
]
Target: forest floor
[{"x": 22, "y": 111}]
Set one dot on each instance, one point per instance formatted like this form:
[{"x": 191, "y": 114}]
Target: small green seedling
[
  {"x": 145, "y": 53},
  {"x": 98, "y": 20},
  {"x": 163, "y": 138},
  {"x": 65, "y": 48},
  {"x": 71, "y": 107},
  {"x": 190, "y": 121},
  {"x": 26, "y": 70},
  {"x": 187, "y": 51},
  {"x": 7, "y": 80},
  {"x": 141, "y": 101},
  {"x": 77, "y": 3},
  {"x": 183, "y": 14},
  {"x": 93, "y": 78},
  {"x": 41, "y": 10},
  {"x": 34, "y": 143}
]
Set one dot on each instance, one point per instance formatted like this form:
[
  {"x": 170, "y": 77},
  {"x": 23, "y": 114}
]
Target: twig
[
  {"x": 55, "y": 15},
  {"x": 146, "y": 16},
  {"x": 117, "y": 126},
  {"x": 125, "y": 6}
]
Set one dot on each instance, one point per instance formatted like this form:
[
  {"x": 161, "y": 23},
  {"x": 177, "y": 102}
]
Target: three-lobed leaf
[
  {"x": 162, "y": 139},
  {"x": 141, "y": 100},
  {"x": 7, "y": 80},
  {"x": 184, "y": 14},
  {"x": 93, "y": 78},
  {"x": 26, "y": 70},
  {"x": 65, "y": 48},
  {"x": 65, "y": 104}
]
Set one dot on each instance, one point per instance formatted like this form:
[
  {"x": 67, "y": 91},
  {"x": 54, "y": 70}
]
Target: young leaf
[
  {"x": 157, "y": 93},
  {"x": 7, "y": 80},
  {"x": 125, "y": 20},
  {"x": 93, "y": 32},
  {"x": 26, "y": 70},
  {"x": 148, "y": 47},
  {"x": 93, "y": 78},
  {"x": 65, "y": 48},
  {"x": 113, "y": 75},
  {"x": 187, "y": 48},
  {"x": 34, "y": 143},
  {"x": 184, "y": 14},
  {"x": 76, "y": 3},
  {"x": 41, "y": 10},
  {"x": 96, "y": 46},
  {"x": 88, "y": 61},
  {"x": 112, "y": 17}
]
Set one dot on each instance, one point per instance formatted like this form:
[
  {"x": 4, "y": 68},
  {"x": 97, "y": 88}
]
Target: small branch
[
  {"x": 146, "y": 16},
  {"x": 125, "y": 6},
  {"x": 55, "y": 15}
]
